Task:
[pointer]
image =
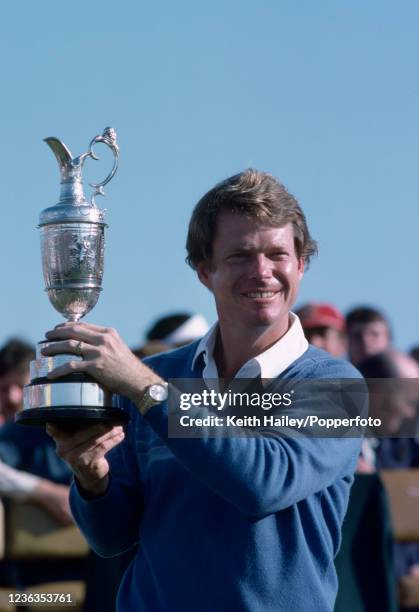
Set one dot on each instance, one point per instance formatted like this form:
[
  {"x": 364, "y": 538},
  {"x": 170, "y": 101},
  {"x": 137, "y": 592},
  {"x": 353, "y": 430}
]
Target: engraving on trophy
[
  {"x": 82, "y": 256},
  {"x": 73, "y": 258}
]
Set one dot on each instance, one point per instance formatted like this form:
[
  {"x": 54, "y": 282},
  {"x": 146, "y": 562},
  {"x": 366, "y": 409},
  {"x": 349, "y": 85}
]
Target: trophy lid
[
  {"x": 73, "y": 206},
  {"x": 71, "y": 213}
]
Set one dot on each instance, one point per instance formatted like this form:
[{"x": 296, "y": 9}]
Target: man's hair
[
  {"x": 378, "y": 366},
  {"x": 364, "y": 315},
  {"x": 256, "y": 195},
  {"x": 414, "y": 353},
  {"x": 15, "y": 354}
]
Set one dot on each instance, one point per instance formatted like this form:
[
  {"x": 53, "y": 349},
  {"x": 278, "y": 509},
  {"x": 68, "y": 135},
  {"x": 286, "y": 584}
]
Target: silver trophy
[{"x": 72, "y": 243}]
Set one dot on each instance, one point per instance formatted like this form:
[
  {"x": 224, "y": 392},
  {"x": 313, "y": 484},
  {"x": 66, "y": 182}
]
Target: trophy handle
[{"x": 109, "y": 139}]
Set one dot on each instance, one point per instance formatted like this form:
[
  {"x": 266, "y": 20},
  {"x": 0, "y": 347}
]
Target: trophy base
[
  {"x": 72, "y": 417},
  {"x": 74, "y": 402}
]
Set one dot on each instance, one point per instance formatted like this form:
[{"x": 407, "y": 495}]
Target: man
[
  {"x": 25, "y": 464},
  {"x": 393, "y": 380},
  {"x": 248, "y": 523},
  {"x": 414, "y": 353},
  {"x": 172, "y": 331},
  {"x": 369, "y": 333},
  {"x": 178, "y": 329},
  {"x": 15, "y": 357},
  {"x": 324, "y": 327},
  {"x": 396, "y": 403}
]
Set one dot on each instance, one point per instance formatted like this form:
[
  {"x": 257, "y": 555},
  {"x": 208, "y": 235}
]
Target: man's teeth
[{"x": 260, "y": 294}]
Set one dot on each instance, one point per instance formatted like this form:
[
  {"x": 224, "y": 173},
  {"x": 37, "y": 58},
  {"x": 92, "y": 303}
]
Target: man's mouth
[{"x": 260, "y": 295}]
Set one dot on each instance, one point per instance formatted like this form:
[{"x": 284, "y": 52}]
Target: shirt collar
[{"x": 269, "y": 364}]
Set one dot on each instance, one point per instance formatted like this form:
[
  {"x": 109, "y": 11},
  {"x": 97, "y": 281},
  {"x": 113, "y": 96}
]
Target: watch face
[{"x": 158, "y": 393}]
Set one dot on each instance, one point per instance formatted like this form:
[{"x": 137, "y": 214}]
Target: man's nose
[{"x": 260, "y": 266}]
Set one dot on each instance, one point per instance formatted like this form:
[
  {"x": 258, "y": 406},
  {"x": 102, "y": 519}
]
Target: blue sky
[{"x": 322, "y": 94}]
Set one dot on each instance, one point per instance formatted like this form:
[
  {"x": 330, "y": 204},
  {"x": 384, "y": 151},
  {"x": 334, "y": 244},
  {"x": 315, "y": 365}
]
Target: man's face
[
  {"x": 327, "y": 338},
  {"x": 367, "y": 339},
  {"x": 11, "y": 392},
  {"x": 254, "y": 273}
]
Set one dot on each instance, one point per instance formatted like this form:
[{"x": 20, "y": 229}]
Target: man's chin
[{"x": 265, "y": 319}]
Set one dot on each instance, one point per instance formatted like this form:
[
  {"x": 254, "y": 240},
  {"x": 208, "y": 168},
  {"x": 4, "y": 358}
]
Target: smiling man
[{"x": 223, "y": 523}]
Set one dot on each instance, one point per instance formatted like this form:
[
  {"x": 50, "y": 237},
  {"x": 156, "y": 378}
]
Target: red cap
[{"x": 321, "y": 315}]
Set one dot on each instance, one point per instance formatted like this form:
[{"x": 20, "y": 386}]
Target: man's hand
[
  {"x": 54, "y": 499},
  {"x": 105, "y": 357},
  {"x": 85, "y": 450}
]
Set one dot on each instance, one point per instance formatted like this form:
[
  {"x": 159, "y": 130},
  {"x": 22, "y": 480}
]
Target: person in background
[
  {"x": 23, "y": 486},
  {"x": 172, "y": 331},
  {"x": 29, "y": 469},
  {"x": 368, "y": 332},
  {"x": 414, "y": 353},
  {"x": 15, "y": 357},
  {"x": 392, "y": 379},
  {"x": 178, "y": 329},
  {"x": 396, "y": 404},
  {"x": 324, "y": 326}
]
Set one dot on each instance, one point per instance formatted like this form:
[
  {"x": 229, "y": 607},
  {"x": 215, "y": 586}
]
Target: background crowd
[{"x": 31, "y": 472}]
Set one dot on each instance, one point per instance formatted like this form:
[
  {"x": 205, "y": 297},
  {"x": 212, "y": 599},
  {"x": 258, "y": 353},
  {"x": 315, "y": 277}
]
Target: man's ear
[
  {"x": 204, "y": 274},
  {"x": 301, "y": 267}
]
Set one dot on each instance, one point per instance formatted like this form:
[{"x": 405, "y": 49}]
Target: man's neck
[{"x": 235, "y": 346}]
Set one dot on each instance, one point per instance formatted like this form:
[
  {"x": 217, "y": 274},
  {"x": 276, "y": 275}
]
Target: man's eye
[
  {"x": 237, "y": 256},
  {"x": 278, "y": 255}
]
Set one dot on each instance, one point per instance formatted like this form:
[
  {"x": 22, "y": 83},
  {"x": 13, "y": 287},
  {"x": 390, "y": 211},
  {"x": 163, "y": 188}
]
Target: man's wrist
[
  {"x": 154, "y": 394},
  {"x": 89, "y": 490},
  {"x": 141, "y": 397}
]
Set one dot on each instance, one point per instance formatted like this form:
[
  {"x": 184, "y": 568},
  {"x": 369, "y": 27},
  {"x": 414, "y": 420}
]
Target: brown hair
[
  {"x": 257, "y": 195},
  {"x": 15, "y": 355},
  {"x": 364, "y": 315}
]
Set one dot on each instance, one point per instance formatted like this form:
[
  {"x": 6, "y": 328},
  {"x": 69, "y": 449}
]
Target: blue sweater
[{"x": 245, "y": 524}]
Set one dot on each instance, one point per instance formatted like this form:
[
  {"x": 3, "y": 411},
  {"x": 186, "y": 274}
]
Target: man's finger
[
  {"x": 76, "y": 331},
  {"x": 95, "y": 441},
  {"x": 82, "y": 324},
  {"x": 59, "y": 434},
  {"x": 66, "y": 347},
  {"x": 68, "y": 368},
  {"x": 87, "y": 453}
]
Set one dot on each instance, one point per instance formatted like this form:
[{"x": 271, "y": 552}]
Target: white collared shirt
[{"x": 269, "y": 364}]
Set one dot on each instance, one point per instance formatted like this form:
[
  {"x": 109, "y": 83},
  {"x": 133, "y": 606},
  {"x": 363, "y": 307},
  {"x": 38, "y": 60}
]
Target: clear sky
[{"x": 322, "y": 94}]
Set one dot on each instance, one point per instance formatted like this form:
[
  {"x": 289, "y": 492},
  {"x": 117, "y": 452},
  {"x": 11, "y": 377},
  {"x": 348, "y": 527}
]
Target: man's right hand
[{"x": 84, "y": 451}]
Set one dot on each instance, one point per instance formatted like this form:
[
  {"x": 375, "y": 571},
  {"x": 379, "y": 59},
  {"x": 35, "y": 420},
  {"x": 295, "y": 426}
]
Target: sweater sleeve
[
  {"x": 111, "y": 522},
  {"x": 264, "y": 473}
]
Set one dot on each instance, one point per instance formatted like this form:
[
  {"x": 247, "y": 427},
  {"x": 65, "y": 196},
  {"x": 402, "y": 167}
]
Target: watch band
[{"x": 154, "y": 394}]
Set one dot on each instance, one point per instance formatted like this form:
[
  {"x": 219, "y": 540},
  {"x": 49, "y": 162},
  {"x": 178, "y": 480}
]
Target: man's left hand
[{"x": 105, "y": 357}]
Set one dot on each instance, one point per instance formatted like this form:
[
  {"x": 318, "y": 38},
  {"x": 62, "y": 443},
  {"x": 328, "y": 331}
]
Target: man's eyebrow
[
  {"x": 239, "y": 249},
  {"x": 251, "y": 249}
]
